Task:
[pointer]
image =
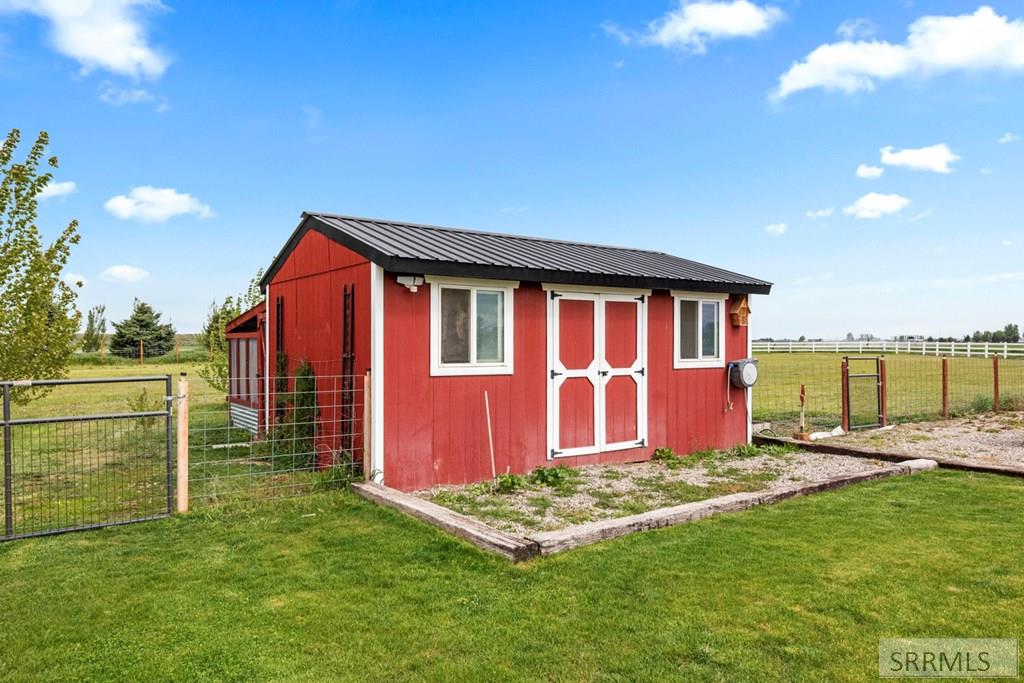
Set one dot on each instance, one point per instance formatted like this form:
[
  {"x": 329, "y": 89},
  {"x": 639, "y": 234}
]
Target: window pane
[
  {"x": 687, "y": 329},
  {"x": 253, "y": 383},
  {"x": 709, "y": 330},
  {"x": 454, "y": 325},
  {"x": 490, "y": 323}
]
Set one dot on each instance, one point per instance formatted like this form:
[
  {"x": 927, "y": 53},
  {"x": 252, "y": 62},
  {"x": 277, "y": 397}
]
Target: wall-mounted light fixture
[{"x": 410, "y": 282}]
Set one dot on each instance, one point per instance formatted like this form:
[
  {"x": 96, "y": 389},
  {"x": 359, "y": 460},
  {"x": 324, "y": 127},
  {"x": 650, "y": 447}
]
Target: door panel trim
[{"x": 557, "y": 373}]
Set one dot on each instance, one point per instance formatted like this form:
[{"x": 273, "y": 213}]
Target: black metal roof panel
[{"x": 433, "y": 250}]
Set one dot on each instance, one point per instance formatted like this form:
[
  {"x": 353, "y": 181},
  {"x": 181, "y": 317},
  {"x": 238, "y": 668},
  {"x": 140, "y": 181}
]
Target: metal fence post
[
  {"x": 995, "y": 383},
  {"x": 169, "y": 440},
  {"x": 883, "y": 393},
  {"x": 945, "y": 388},
  {"x": 182, "y": 443},
  {"x": 367, "y": 427},
  {"x": 8, "y": 466},
  {"x": 845, "y": 371}
]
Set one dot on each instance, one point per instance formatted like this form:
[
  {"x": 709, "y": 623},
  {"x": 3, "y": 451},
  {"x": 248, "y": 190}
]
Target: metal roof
[{"x": 419, "y": 249}]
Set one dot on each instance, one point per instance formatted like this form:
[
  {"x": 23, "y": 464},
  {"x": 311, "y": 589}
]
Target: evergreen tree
[
  {"x": 142, "y": 325},
  {"x": 38, "y": 318},
  {"x": 95, "y": 329}
]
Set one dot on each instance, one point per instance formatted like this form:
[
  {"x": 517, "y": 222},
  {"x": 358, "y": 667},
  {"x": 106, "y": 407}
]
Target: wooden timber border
[
  {"x": 518, "y": 549},
  {"x": 889, "y": 456}
]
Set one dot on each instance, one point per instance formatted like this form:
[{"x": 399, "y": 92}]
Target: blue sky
[{"x": 697, "y": 129}]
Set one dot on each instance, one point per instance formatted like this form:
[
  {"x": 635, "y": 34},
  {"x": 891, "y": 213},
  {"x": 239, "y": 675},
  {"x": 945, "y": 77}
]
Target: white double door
[{"x": 597, "y": 386}]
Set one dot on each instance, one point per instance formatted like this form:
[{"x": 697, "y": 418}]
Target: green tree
[
  {"x": 1012, "y": 333},
  {"x": 95, "y": 328},
  {"x": 142, "y": 325},
  {"x": 38, "y": 317},
  {"x": 215, "y": 370}
]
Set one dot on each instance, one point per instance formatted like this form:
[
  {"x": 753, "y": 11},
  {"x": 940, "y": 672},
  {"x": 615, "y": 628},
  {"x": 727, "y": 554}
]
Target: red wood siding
[
  {"x": 311, "y": 284},
  {"x": 435, "y": 429}
]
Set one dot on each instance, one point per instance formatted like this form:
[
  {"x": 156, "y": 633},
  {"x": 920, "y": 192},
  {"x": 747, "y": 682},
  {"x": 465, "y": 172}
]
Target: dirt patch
[
  {"x": 554, "y": 498},
  {"x": 990, "y": 439}
]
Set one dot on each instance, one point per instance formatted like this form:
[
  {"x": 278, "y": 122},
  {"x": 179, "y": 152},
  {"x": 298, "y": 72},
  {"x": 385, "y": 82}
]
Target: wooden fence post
[
  {"x": 883, "y": 394},
  {"x": 846, "y": 394},
  {"x": 945, "y": 388},
  {"x": 367, "y": 426},
  {"x": 183, "y": 443},
  {"x": 995, "y": 383},
  {"x": 142, "y": 351}
]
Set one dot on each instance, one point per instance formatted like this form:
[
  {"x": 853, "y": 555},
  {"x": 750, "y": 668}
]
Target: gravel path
[
  {"x": 991, "y": 439},
  {"x": 605, "y": 491}
]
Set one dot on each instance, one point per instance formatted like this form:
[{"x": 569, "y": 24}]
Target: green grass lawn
[
  {"x": 328, "y": 587},
  {"x": 914, "y": 388}
]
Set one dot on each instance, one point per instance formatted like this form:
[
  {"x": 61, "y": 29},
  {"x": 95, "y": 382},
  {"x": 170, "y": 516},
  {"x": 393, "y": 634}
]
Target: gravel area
[
  {"x": 606, "y": 491},
  {"x": 990, "y": 438}
]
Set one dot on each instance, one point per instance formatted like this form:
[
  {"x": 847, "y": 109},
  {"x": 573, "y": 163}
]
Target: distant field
[{"x": 914, "y": 387}]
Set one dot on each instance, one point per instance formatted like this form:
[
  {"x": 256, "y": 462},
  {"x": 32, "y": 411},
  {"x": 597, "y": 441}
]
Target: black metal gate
[
  {"x": 862, "y": 392},
  {"x": 65, "y": 471}
]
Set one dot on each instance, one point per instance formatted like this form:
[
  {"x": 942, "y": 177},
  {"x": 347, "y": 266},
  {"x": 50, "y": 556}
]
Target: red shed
[
  {"x": 585, "y": 353},
  {"x": 244, "y": 337}
]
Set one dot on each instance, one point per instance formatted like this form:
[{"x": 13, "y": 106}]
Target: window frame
[
  {"x": 699, "y": 298},
  {"x": 473, "y": 367}
]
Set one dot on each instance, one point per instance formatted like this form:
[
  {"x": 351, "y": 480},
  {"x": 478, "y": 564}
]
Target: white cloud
[
  {"x": 935, "y": 45},
  {"x": 821, "y": 213},
  {"x": 920, "y": 216},
  {"x": 156, "y": 204},
  {"x": 693, "y": 25},
  {"x": 875, "y": 205},
  {"x": 776, "y": 229},
  {"x": 124, "y": 273},
  {"x": 74, "y": 279},
  {"x": 1008, "y": 138},
  {"x": 869, "y": 172},
  {"x": 936, "y": 158},
  {"x": 99, "y": 34},
  {"x": 985, "y": 170},
  {"x": 57, "y": 189},
  {"x": 852, "y": 29},
  {"x": 1007, "y": 243},
  {"x": 118, "y": 97}
]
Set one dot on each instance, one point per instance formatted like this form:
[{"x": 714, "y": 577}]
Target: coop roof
[{"x": 417, "y": 249}]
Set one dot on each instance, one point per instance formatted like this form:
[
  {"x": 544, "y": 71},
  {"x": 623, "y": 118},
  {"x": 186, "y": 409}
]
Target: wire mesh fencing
[
  {"x": 917, "y": 388},
  {"x": 183, "y": 349},
  {"x": 305, "y": 434}
]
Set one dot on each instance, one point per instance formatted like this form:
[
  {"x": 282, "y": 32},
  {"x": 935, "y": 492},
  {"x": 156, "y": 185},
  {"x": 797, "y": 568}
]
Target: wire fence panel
[
  {"x": 916, "y": 389},
  {"x": 71, "y": 463},
  {"x": 307, "y": 437}
]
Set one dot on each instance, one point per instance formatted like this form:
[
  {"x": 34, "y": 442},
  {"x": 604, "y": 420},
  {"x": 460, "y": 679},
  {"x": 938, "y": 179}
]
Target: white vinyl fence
[{"x": 921, "y": 348}]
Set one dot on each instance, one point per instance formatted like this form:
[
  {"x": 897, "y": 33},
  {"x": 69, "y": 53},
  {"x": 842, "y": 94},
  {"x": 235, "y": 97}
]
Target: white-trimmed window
[
  {"x": 470, "y": 326},
  {"x": 699, "y": 330}
]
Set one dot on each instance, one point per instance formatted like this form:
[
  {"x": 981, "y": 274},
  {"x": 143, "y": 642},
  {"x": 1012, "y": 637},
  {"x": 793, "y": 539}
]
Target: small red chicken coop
[{"x": 582, "y": 353}]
